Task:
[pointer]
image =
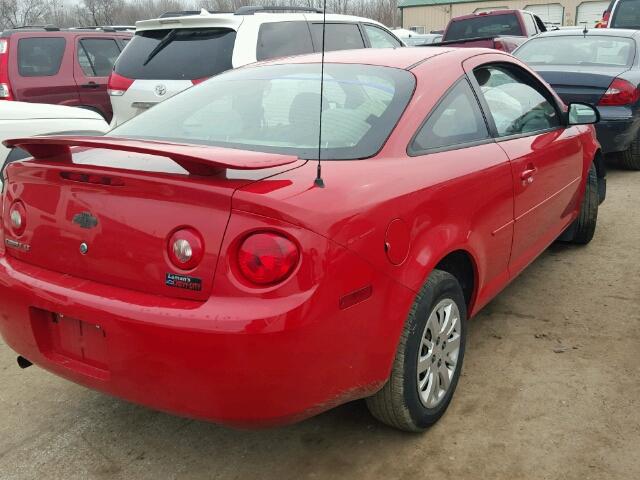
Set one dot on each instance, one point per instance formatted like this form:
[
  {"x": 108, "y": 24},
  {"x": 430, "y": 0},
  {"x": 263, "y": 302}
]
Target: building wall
[{"x": 436, "y": 17}]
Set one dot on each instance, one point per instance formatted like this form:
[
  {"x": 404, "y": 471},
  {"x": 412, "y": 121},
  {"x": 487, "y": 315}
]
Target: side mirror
[{"x": 583, "y": 114}]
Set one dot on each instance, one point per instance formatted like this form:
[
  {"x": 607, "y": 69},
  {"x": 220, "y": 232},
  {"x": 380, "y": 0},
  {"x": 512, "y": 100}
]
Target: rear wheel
[
  {"x": 630, "y": 158},
  {"x": 428, "y": 362},
  {"x": 582, "y": 230}
]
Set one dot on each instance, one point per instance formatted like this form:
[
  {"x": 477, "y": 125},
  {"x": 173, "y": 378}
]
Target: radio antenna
[{"x": 318, "y": 181}]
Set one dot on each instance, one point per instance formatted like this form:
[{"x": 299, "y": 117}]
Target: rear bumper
[
  {"x": 233, "y": 361},
  {"x": 617, "y": 128}
]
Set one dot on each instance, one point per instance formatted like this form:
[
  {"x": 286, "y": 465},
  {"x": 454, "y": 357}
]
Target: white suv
[{"x": 177, "y": 50}]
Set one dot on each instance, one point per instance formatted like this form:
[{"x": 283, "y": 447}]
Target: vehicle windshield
[
  {"x": 483, "y": 26},
  {"x": 180, "y": 54},
  {"x": 626, "y": 14},
  {"x": 276, "y": 109},
  {"x": 578, "y": 50}
]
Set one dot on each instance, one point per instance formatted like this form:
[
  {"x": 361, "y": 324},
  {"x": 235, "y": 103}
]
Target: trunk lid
[
  {"x": 580, "y": 84},
  {"x": 144, "y": 94},
  {"x": 124, "y": 206}
]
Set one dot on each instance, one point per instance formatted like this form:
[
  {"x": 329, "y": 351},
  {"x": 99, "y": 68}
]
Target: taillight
[
  {"x": 498, "y": 45},
  {"x": 18, "y": 218},
  {"x": 620, "y": 92},
  {"x": 267, "y": 258},
  {"x": 185, "y": 249},
  {"x": 5, "y": 87},
  {"x": 196, "y": 81},
  {"x": 118, "y": 85}
]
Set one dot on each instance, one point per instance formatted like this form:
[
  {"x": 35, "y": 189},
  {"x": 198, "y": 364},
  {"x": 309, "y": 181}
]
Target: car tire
[
  {"x": 406, "y": 401},
  {"x": 630, "y": 158},
  {"x": 585, "y": 225}
]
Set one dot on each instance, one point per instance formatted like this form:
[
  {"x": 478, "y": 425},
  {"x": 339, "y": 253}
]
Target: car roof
[
  {"x": 404, "y": 58},
  {"x": 29, "y": 111},
  {"x": 233, "y": 21},
  {"x": 497, "y": 11},
  {"x": 578, "y": 31},
  {"x": 49, "y": 32}
]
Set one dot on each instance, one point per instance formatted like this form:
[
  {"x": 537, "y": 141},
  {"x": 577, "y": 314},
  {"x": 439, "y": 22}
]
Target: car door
[
  {"x": 43, "y": 72},
  {"x": 337, "y": 36},
  {"x": 95, "y": 57},
  {"x": 454, "y": 143},
  {"x": 545, "y": 155}
]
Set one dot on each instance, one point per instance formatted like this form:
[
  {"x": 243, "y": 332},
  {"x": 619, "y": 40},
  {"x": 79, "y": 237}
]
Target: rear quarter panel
[{"x": 443, "y": 198}]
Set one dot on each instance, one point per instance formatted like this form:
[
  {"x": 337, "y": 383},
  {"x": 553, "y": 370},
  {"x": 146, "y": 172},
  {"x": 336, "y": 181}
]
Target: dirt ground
[{"x": 550, "y": 390}]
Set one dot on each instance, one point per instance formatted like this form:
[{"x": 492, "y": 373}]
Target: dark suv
[{"x": 64, "y": 67}]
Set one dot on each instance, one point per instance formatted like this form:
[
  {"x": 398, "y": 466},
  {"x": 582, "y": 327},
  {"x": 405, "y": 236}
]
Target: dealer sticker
[{"x": 183, "y": 281}]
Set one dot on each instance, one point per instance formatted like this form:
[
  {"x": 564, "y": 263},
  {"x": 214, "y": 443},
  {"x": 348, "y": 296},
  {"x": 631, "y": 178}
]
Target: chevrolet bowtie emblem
[{"x": 85, "y": 220}]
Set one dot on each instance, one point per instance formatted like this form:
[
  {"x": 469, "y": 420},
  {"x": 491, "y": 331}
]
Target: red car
[
  {"x": 63, "y": 67},
  {"x": 194, "y": 261},
  {"x": 500, "y": 29}
]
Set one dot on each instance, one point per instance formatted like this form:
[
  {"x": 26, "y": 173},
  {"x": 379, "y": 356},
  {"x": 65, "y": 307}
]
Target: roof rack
[
  {"x": 250, "y": 10},
  {"x": 185, "y": 13},
  {"x": 49, "y": 28},
  {"x": 106, "y": 28}
]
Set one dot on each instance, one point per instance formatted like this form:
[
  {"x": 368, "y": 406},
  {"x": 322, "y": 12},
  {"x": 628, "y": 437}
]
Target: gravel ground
[{"x": 550, "y": 389}]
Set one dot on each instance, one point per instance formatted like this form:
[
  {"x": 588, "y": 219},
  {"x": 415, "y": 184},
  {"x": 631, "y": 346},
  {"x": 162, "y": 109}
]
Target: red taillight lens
[
  {"x": 185, "y": 249},
  {"x": 500, "y": 45},
  {"x": 118, "y": 84},
  {"x": 18, "y": 218},
  {"x": 620, "y": 92},
  {"x": 196, "y": 81},
  {"x": 267, "y": 258},
  {"x": 5, "y": 87}
]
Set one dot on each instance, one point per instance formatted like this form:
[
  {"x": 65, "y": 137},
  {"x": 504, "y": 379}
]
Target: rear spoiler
[{"x": 196, "y": 159}]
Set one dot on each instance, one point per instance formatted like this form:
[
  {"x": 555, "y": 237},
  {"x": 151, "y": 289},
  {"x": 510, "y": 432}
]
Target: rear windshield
[
  {"x": 276, "y": 109},
  {"x": 578, "y": 50},
  {"x": 484, "y": 26},
  {"x": 626, "y": 14},
  {"x": 180, "y": 54}
]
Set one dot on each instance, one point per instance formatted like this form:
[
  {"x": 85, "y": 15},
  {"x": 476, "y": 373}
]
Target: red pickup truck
[{"x": 500, "y": 29}]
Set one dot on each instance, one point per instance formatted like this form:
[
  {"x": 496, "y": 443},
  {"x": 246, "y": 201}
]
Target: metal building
[{"x": 423, "y": 16}]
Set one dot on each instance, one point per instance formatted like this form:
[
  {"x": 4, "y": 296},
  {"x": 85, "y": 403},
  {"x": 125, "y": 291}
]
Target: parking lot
[{"x": 550, "y": 389}]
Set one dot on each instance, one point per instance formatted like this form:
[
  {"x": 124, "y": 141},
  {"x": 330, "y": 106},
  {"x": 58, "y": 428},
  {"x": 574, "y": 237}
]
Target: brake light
[
  {"x": 500, "y": 45},
  {"x": 5, "y": 87},
  {"x": 118, "y": 85},
  {"x": 196, "y": 81},
  {"x": 18, "y": 218},
  {"x": 267, "y": 258},
  {"x": 620, "y": 92},
  {"x": 185, "y": 249}
]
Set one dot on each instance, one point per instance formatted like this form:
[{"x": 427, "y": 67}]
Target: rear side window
[
  {"x": 338, "y": 36},
  {"x": 378, "y": 38},
  {"x": 96, "y": 56},
  {"x": 484, "y": 26},
  {"x": 178, "y": 54},
  {"x": 282, "y": 39},
  {"x": 626, "y": 14},
  {"x": 457, "y": 120},
  {"x": 40, "y": 57}
]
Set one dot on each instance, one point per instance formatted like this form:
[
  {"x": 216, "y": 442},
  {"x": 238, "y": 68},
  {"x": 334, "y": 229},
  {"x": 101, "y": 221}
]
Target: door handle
[
  {"x": 90, "y": 85},
  {"x": 527, "y": 174}
]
